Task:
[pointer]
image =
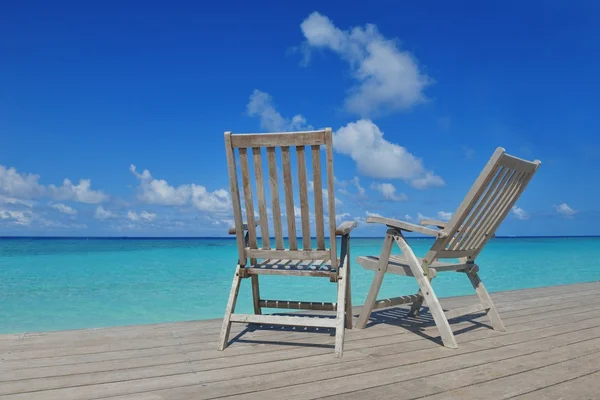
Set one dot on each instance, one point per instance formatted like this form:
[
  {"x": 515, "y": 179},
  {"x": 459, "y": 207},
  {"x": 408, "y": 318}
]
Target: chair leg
[
  {"x": 349, "y": 317},
  {"x": 367, "y": 308},
  {"x": 429, "y": 295},
  {"x": 341, "y": 310},
  {"x": 486, "y": 299},
  {"x": 256, "y": 295},
  {"x": 233, "y": 294}
]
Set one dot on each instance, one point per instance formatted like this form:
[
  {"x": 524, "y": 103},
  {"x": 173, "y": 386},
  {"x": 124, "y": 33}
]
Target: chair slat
[
  {"x": 318, "y": 192},
  {"x": 303, "y": 185},
  {"x": 278, "y": 139},
  {"x": 505, "y": 202},
  {"x": 260, "y": 194},
  {"x": 289, "y": 197},
  {"x": 482, "y": 229},
  {"x": 248, "y": 197},
  {"x": 331, "y": 192},
  {"x": 500, "y": 175},
  {"x": 275, "y": 204}
]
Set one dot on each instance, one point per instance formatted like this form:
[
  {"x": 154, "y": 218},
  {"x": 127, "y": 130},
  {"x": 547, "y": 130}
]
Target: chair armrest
[
  {"x": 345, "y": 228},
  {"x": 406, "y": 226},
  {"x": 434, "y": 222},
  {"x": 233, "y": 230}
]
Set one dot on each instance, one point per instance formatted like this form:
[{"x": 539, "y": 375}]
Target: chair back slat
[
  {"x": 248, "y": 197},
  {"x": 260, "y": 193},
  {"x": 290, "y": 211},
  {"x": 303, "y": 185},
  {"x": 275, "y": 205},
  {"x": 274, "y": 144},
  {"x": 318, "y": 192},
  {"x": 488, "y": 202}
]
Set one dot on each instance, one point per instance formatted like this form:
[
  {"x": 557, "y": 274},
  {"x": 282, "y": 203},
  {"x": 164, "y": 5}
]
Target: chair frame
[
  {"x": 490, "y": 199},
  {"x": 278, "y": 260}
]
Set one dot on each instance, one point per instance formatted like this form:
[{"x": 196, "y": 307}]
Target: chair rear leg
[
  {"x": 342, "y": 287},
  {"x": 486, "y": 300},
  {"x": 233, "y": 294},
  {"x": 415, "y": 308},
  {"x": 367, "y": 308},
  {"x": 349, "y": 317},
  {"x": 256, "y": 295}
]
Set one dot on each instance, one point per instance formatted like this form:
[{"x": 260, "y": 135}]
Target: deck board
[{"x": 552, "y": 343}]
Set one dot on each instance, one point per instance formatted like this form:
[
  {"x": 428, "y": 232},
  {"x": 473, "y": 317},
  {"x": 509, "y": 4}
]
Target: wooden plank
[
  {"x": 330, "y": 192},
  {"x": 308, "y": 138},
  {"x": 260, "y": 194},
  {"x": 584, "y": 387},
  {"x": 235, "y": 198},
  {"x": 395, "y": 301},
  {"x": 284, "y": 320},
  {"x": 289, "y": 197},
  {"x": 289, "y": 254},
  {"x": 406, "y": 226},
  {"x": 248, "y": 197},
  {"x": 275, "y": 204},
  {"x": 303, "y": 186},
  {"x": 459, "y": 312},
  {"x": 299, "y": 305},
  {"x": 318, "y": 192}
]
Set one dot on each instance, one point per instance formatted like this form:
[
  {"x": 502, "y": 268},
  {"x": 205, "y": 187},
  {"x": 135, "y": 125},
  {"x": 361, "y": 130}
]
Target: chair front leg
[
  {"x": 349, "y": 317},
  {"x": 233, "y": 294},
  {"x": 427, "y": 291},
  {"x": 382, "y": 266}
]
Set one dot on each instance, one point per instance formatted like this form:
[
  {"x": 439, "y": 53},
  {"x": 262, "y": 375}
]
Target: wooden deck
[{"x": 551, "y": 351}]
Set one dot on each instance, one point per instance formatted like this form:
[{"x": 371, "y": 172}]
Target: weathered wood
[
  {"x": 345, "y": 228},
  {"x": 330, "y": 191},
  {"x": 459, "y": 312},
  {"x": 406, "y": 226},
  {"x": 275, "y": 204},
  {"x": 318, "y": 192},
  {"x": 299, "y": 305},
  {"x": 235, "y": 198},
  {"x": 289, "y": 197},
  {"x": 278, "y": 139},
  {"x": 256, "y": 295},
  {"x": 229, "y": 309},
  {"x": 395, "y": 301},
  {"x": 248, "y": 197},
  {"x": 303, "y": 186},
  {"x": 382, "y": 266},
  {"x": 260, "y": 193},
  {"x": 284, "y": 320},
  {"x": 289, "y": 254}
]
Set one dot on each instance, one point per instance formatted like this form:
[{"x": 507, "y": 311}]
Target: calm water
[{"x": 52, "y": 284}]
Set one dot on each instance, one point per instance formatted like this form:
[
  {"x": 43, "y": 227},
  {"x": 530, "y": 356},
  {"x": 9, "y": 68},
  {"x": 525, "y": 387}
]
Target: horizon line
[{"x": 233, "y": 237}]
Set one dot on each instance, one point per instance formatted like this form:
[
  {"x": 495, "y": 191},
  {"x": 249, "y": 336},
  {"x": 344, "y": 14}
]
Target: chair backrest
[
  {"x": 281, "y": 144},
  {"x": 490, "y": 199}
]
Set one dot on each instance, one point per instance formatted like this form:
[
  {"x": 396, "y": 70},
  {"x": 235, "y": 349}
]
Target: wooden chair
[
  {"x": 486, "y": 205},
  {"x": 268, "y": 258}
]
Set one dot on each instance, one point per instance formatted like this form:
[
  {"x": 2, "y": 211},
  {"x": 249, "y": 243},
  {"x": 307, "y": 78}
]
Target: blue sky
[{"x": 89, "y": 89}]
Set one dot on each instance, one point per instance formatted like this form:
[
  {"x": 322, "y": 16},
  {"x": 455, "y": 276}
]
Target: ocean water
[{"x": 56, "y": 284}]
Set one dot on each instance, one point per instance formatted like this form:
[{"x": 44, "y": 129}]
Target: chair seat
[
  {"x": 291, "y": 267},
  {"x": 399, "y": 266}
]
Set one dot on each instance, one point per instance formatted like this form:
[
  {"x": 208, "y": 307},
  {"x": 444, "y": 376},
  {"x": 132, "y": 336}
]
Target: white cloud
[
  {"x": 389, "y": 191},
  {"x": 342, "y": 217},
  {"x": 519, "y": 213},
  {"x": 144, "y": 216},
  {"x": 565, "y": 209},
  {"x": 102, "y": 214},
  {"x": 444, "y": 215},
  {"x": 408, "y": 218},
  {"x": 372, "y": 214},
  {"x": 26, "y": 186},
  {"x": 81, "y": 192},
  {"x": 354, "y": 182},
  {"x": 378, "y": 158},
  {"x": 388, "y": 78},
  {"x": 14, "y": 201},
  {"x": 64, "y": 209},
  {"x": 261, "y": 105},
  {"x": 16, "y": 217},
  {"x": 158, "y": 191}
]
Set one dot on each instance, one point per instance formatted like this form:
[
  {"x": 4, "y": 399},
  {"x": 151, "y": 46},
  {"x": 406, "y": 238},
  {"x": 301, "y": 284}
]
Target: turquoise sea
[{"x": 54, "y": 284}]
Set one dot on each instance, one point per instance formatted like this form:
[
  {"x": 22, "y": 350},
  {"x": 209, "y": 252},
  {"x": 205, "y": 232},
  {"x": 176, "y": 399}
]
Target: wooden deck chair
[
  {"x": 271, "y": 257},
  {"x": 475, "y": 221}
]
